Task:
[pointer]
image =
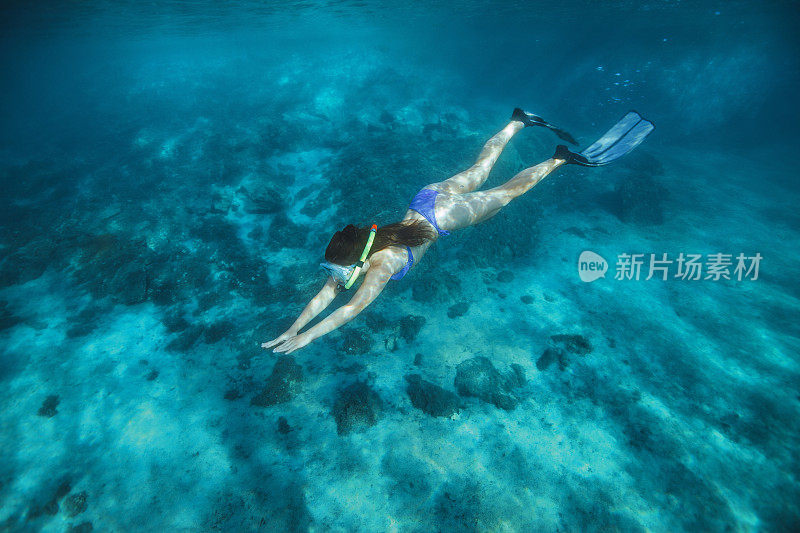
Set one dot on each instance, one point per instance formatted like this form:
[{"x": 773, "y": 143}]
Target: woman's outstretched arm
[
  {"x": 319, "y": 302},
  {"x": 374, "y": 281}
]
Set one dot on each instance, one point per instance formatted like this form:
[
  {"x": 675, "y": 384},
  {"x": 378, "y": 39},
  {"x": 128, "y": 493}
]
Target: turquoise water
[{"x": 172, "y": 173}]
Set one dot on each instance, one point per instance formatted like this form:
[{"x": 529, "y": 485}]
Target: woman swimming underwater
[{"x": 387, "y": 253}]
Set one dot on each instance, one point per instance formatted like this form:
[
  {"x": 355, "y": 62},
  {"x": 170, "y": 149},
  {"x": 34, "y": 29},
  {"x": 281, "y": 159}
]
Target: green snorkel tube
[{"x": 364, "y": 254}]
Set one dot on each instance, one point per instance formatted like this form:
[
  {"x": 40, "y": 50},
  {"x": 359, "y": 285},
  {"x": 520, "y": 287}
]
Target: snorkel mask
[{"x": 347, "y": 275}]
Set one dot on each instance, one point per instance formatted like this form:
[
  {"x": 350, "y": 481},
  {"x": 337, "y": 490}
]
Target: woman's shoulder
[
  {"x": 394, "y": 256},
  {"x": 387, "y": 261},
  {"x": 389, "y": 253}
]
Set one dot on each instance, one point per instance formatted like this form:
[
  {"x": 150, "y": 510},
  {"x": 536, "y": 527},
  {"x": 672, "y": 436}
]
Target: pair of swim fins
[{"x": 623, "y": 137}]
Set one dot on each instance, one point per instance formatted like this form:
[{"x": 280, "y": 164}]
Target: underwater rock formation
[
  {"x": 457, "y": 310},
  {"x": 283, "y": 233},
  {"x": 283, "y": 425},
  {"x": 75, "y": 504},
  {"x": 232, "y": 394},
  {"x": 375, "y": 321},
  {"x": 431, "y": 398},
  {"x": 410, "y": 326},
  {"x": 49, "y": 406},
  {"x": 357, "y": 407},
  {"x": 7, "y": 318},
  {"x": 391, "y": 343},
  {"x": 479, "y": 378},
  {"x": 550, "y": 355},
  {"x": 217, "y": 331},
  {"x": 356, "y": 341},
  {"x": 559, "y": 349},
  {"x": 284, "y": 382},
  {"x": 505, "y": 276},
  {"x": 268, "y": 200},
  {"x": 50, "y": 507},
  {"x": 576, "y": 344},
  {"x": 185, "y": 339},
  {"x": 25, "y": 265},
  {"x": 86, "y": 321},
  {"x": 174, "y": 323}
]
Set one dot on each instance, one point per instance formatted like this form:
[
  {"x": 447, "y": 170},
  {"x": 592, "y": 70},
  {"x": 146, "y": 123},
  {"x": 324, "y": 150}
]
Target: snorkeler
[{"x": 387, "y": 253}]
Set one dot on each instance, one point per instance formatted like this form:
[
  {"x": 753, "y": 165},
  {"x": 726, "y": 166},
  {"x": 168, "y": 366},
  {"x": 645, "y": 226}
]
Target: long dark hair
[{"x": 347, "y": 245}]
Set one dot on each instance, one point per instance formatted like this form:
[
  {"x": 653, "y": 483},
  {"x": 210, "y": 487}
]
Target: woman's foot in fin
[
  {"x": 529, "y": 119},
  {"x": 563, "y": 153}
]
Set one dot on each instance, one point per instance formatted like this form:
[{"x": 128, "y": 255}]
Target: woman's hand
[
  {"x": 293, "y": 343},
  {"x": 288, "y": 334}
]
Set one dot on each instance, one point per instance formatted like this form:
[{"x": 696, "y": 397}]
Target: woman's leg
[
  {"x": 473, "y": 177},
  {"x": 469, "y": 209}
]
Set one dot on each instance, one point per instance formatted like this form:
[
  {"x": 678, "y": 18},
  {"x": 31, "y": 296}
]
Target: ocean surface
[{"x": 171, "y": 173}]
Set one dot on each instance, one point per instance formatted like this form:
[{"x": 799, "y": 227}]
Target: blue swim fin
[{"x": 623, "y": 137}]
